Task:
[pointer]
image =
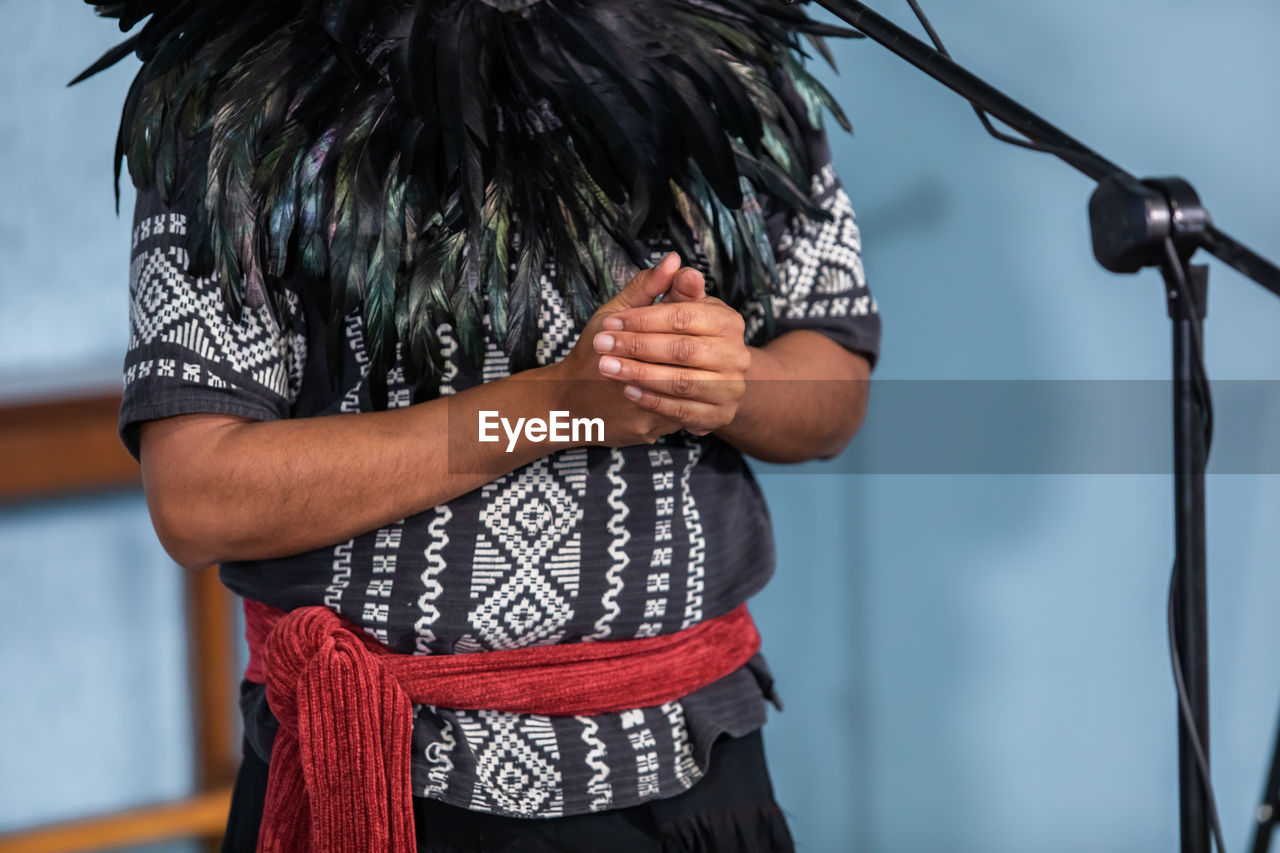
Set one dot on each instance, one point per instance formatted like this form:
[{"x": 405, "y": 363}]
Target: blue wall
[
  {"x": 968, "y": 663},
  {"x": 979, "y": 662},
  {"x": 65, "y": 319}
]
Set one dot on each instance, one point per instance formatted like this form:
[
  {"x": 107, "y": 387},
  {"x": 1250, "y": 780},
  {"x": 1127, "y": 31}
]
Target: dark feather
[
  {"x": 108, "y": 59},
  {"x": 526, "y": 289},
  {"x": 815, "y": 94},
  {"x": 496, "y": 256},
  {"x": 380, "y": 281},
  {"x": 424, "y": 160}
]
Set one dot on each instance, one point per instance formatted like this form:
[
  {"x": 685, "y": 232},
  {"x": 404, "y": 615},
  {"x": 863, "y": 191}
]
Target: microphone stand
[{"x": 1137, "y": 224}]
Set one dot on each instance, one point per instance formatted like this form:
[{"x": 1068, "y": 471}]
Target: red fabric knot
[
  {"x": 339, "y": 771},
  {"x": 339, "y": 777}
]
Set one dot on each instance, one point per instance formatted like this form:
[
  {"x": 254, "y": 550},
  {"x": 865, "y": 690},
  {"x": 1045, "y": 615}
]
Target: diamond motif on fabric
[
  {"x": 525, "y": 566},
  {"x": 517, "y": 760},
  {"x": 532, "y": 514}
]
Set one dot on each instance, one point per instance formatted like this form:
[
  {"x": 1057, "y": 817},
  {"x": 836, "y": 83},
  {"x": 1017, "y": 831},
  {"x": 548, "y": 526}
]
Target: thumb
[
  {"x": 646, "y": 286},
  {"x": 688, "y": 285}
]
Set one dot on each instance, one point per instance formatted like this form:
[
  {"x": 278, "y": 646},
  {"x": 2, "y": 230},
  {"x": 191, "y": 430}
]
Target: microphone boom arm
[{"x": 1069, "y": 149}]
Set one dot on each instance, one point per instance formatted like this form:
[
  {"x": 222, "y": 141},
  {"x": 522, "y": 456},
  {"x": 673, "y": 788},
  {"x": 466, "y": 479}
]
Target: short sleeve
[
  {"x": 821, "y": 284},
  {"x": 185, "y": 353}
]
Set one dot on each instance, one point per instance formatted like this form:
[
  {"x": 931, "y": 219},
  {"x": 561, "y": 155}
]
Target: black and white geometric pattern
[
  {"x": 169, "y": 306},
  {"x": 557, "y": 331},
  {"x": 687, "y": 771},
  {"x": 517, "y": 763},
  {"x": 619, "y": 536},
  {"x": 433, "y": 554},
  {"x": 340, "y": 568},
  {"x": 526, "y": 566},
  {"x": 598, "y": 787},
  {"x": 662, "y": 480},
  {"x": 438, "y": 753},
  {"x": 587, "y": 545},
  {"x": 375, "y": 613},
  {"x": 695, "y": 563},
  {"x": 819, "y": 264}
]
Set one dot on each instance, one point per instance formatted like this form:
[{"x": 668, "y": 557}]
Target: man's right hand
[{"x": 585, "y": 393}]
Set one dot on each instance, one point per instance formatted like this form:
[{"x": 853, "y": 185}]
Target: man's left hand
[{"x": 684, "y": 358}]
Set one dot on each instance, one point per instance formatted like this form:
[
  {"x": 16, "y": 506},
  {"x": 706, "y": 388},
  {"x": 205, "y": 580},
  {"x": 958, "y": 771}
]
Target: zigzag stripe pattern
[
  {"x": 431, "y": 585},
  {"x": 686, "y": 768},
  {"x": 617, "y": 547},
  {"x": 599, "y": 789},
  {"x": 448, "y": 349}
]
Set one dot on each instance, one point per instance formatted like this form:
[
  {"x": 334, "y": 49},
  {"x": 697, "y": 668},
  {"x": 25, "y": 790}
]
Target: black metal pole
[
  {"x": 1189, "y": 570},
  {"x": 1268, "y": 814}
]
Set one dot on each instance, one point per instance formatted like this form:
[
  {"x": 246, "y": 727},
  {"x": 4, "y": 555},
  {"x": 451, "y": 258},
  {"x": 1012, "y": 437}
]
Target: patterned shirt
[{"x": 586, "y": 544}]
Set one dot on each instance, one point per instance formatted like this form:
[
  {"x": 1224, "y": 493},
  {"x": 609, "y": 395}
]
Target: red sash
[{"x": 339, "y": 777}]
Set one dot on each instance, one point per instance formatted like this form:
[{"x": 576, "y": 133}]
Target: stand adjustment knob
[{"x": 1130, "y": 220}]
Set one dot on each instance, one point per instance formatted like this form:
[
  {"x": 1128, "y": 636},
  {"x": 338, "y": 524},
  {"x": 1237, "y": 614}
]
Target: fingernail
[
  {"x": 632, "y": 392},
  {"x": 613, "y": 324},
  {"x": 604, "y": 343},
  {"x": 609, "y": 364},
  {"x": 668, "y": 262}
]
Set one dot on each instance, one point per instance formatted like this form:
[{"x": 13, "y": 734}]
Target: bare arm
[
  {"x": 227, "y": 488},
  {"x": 806, "y": 398}
]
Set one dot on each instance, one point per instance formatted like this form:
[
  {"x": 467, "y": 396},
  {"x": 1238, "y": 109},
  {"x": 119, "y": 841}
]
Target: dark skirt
[{"x": 729, "y": 810}]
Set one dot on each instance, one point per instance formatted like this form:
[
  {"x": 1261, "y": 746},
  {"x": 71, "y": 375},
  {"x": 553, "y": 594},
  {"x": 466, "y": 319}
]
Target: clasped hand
[{"x": 676, "y": 364}]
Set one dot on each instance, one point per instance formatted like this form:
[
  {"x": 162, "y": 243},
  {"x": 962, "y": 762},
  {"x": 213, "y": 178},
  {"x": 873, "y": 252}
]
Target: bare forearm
[
  {"x": 254, "y": 490},
  {"x": 225, "y": 488},
  {"x": 806, "y": 397}
]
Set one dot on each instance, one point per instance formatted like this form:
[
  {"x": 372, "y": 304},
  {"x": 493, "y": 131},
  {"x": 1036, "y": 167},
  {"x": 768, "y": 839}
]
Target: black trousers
[{"x": 729, "y": 810}]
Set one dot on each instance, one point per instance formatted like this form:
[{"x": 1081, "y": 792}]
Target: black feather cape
[{"x": 423, "y": 159}]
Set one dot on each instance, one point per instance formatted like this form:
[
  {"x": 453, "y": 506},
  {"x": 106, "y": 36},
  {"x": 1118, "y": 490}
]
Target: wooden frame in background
[{"x": 68, "y": 447}]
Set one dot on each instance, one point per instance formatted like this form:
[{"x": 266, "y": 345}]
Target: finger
[
  {"x": 672, "y": 381},
  {"x": 707, "y": 353},
  {"x": 688, "y": 285},
  {"x": 646, "y": 285},
  {"x": 711, "y": 317},
  {"x": 694, "y": 415}
]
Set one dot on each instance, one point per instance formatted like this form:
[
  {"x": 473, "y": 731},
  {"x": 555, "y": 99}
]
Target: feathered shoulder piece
[{"x": 424, "y": 159}]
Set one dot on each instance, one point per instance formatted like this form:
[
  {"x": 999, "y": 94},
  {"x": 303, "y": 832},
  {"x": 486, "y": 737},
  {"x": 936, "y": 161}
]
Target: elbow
[
  {"x": 185, "y": 555},
  {"x": 849, "y": 409},
  {"x": 186, "y": 487},
  {"x": 849, "y": 414},
  {"x": 184, "y": 512},
  {"x": 178, "y": 525},
  {"x": 840, "y": 437},
  {"x": 832, "y": 449}
]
